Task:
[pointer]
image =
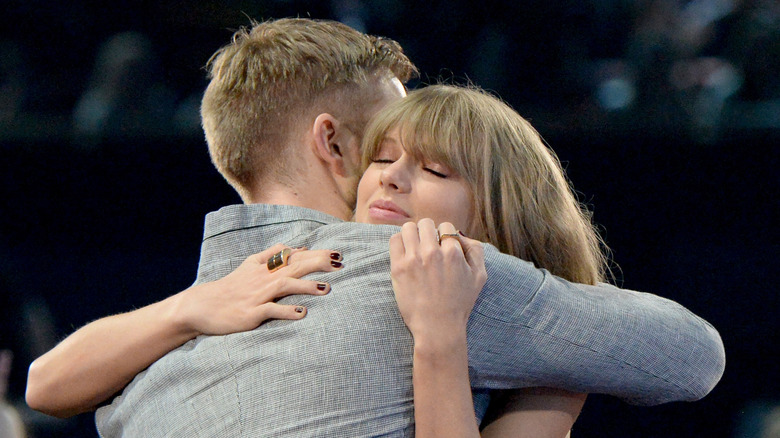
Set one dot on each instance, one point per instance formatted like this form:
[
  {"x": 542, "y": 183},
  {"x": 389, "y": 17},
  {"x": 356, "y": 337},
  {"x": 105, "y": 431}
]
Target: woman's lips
[{"x": 383, "y": 210}]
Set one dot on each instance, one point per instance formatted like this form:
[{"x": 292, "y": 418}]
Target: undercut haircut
[{"x": 279, "y": 73}]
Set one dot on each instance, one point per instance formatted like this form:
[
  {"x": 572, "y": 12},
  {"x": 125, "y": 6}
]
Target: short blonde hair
[
  {"x": 271, "y": 76},
  {"x": 524, "y": 204}
]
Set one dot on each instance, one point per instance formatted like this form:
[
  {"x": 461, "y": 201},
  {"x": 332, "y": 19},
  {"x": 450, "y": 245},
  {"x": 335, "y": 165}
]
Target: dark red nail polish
[
  {"x": 322, "y": 286},
  {"x": 335, "y": 256},
  {"x": 299, "y": 309},
  {"x": 335, "y": 264},
  {"x": 461, "y": 233}
]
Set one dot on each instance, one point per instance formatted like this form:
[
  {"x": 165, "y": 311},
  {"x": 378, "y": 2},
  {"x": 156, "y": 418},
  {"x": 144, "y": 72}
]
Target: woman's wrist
[
  {"x": 176, "y": 314},
  {"x": 440, "y": 344}
]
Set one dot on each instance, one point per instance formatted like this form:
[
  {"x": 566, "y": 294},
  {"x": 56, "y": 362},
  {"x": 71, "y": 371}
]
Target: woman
[
  {"x": 460, "y": 155},
  {"x": 447, "y": 154}
]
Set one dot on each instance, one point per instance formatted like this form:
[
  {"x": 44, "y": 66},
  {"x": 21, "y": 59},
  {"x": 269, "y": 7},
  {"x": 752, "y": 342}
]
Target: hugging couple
[{"x": 406, "y": 323}]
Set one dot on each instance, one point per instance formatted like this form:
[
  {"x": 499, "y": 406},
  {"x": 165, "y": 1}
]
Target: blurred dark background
[{"x": 665, "y": 113}]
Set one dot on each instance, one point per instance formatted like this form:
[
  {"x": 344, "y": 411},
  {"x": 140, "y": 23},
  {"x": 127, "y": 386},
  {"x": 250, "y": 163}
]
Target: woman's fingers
[
  {"x": 411, "y": 238},
  {"x": 284, "y": 286},
  {"x": 279, "y": 311},
  {"x": 475, "y": 253},
  {"x": 429, "y": 236},
  {"x": 472, "y": 249},
  {"x": 396, "y": 247},
  {"x": 300, "y": 262},
  {"x": 448, "y": 235},
  {"x": 262, "y": 257},
  {"x": 303, "y": 262},
  {"x": 286, "y": 280}
]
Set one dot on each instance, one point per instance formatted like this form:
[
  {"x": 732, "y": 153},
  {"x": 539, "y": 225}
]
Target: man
[{"x": 283, "y": 115}]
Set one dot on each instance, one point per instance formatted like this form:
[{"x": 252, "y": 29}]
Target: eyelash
[
  {"x": 438, "y": 174},
  {"x": 427, "y": 169}
]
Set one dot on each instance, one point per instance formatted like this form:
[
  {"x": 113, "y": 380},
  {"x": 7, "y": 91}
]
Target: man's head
[{"x": 272, "y": 81}]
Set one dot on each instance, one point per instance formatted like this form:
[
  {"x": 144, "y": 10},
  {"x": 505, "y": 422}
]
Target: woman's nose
[{"x": 394, "y": 177}]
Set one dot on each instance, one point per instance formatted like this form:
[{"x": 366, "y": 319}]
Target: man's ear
[{"x": 328, "y": 136}]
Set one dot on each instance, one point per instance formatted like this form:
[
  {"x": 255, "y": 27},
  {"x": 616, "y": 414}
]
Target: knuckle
[
  {"x": 430, "y": 257},
  {"x": 451, "y": 254},
  {"x": 396, "y": 269},
  {"x": 446, "y": 227},
  {"x": 278, "y": 284},
  {"x": 277, "y": 247},
  {"x": 286, "y": 282},
  {"x": 425, "y": 221},
  {"x": 265, "y": 309},
  {"x": 295, "y": 270},
  {"x": 411, "y": 260}
]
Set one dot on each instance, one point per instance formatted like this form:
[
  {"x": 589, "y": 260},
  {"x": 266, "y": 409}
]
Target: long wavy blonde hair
[{"x": 524, "y": 205}]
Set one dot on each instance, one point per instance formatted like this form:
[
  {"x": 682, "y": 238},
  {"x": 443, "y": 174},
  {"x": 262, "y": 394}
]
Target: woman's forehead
[{"x": 403, "y": 136}]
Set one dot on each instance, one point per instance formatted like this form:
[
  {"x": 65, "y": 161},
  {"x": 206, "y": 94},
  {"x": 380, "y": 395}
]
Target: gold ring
[
  {"x": 443, "y": 236},
  {"x": 278, "y": 260}
]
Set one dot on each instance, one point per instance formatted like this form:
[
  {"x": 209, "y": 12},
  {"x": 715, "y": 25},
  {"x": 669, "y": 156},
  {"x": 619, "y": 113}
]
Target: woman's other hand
[
  {"x": 246, "y": 297},
  {"x": 436, "y": 282}
]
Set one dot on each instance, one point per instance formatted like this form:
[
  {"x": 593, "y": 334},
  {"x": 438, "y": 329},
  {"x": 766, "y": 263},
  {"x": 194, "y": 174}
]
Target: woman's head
[{"x": 516, "y": 194}]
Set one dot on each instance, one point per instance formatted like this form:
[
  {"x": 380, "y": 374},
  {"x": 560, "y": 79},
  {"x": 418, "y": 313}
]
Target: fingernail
[
  {"x": 461, "y": 233},
  {"x": 335, "y": 264},
  {"x": 322, "y": 286},
  {"x": 335, "y": 256},
  {"x": 299, "y": 309},
  {"x": 301, "y": 247}
]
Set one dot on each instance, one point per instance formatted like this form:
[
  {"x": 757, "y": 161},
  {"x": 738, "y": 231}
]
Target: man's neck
[{"x": 308, "y": 182}]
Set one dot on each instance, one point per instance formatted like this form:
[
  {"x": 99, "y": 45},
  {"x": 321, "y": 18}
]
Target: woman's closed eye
[
  {"x": 435, "y": 172},
  {"x": 436, "y": 169}
]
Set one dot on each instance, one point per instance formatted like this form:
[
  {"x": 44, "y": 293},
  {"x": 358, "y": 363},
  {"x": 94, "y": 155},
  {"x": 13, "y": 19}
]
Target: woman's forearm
[
  {"x": 443, "y": 404},
  {"x": 532, "y": 413},
  {"x": 99, "y": 359}
]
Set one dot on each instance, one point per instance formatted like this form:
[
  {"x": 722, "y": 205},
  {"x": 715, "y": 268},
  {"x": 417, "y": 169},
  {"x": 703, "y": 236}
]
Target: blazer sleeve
[{"x": 531, "y": 328}]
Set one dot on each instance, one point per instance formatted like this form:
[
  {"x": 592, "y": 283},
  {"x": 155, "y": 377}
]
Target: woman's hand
[
  {"x": 246, "y": 297},
  {"x": 100, "y": 358},
  {"x": 436, "y": 284}
]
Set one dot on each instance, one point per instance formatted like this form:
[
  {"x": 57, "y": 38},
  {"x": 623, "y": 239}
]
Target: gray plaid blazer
[{"x": 345, "y": 370}]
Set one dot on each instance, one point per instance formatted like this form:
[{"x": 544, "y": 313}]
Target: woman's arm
[
  {"x": 443, "y": 404},
  {"x": 99, "y": 359},
  {"x": 532, "y": 413},
  {"x": 436, "y": 285}
]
